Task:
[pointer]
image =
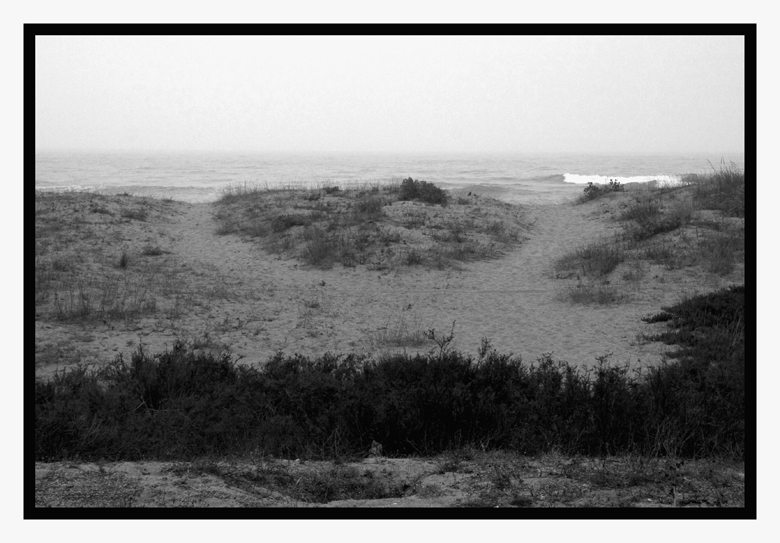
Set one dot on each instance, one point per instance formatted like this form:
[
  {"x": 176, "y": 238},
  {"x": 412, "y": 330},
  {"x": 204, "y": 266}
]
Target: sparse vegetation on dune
[
  {"x": 696, "y": 223},
  {"x": 116, "y": 278},
  {"x": 377, "y": 226},
  {"x": 723, "y": 189}
]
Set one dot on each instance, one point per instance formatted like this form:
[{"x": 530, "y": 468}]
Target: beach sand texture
[{"x": 227, "y": 293}]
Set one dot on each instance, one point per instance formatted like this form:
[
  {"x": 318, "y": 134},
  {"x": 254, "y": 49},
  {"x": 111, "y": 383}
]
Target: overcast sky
[{"x": 522, "y": 94}]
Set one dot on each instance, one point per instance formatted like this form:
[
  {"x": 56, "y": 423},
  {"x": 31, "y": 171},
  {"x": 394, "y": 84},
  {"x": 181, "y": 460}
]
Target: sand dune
[{"x": 228, "y": 293}]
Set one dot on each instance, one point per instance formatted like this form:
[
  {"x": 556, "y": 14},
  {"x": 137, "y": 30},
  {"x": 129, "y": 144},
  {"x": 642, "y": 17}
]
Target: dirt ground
[{"x": 461, "y": 479}]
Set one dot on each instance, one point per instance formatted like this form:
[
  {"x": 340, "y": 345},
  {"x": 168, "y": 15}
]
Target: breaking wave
[{"x": 662, "y": 180}]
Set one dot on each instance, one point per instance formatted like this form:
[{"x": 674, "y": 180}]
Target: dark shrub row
[
  {"x": 411, "y": 189},
  {"x": 179, "y": 405}
]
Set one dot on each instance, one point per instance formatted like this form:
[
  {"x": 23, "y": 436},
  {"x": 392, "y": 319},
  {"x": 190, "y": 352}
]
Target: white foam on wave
[{"x": 661, "y": 180}]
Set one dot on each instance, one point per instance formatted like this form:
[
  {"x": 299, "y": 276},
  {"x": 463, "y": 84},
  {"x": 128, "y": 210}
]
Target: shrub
[
  {"x": 593, "y": 191},
  {"x": 429, "y": 193}
]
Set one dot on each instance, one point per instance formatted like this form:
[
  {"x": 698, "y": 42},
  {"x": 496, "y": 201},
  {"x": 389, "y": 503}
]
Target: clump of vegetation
[
  {"x": 182, "y": 405},
  {"x": 135, "y": 214},
  {"x": 75, "y": 281},
  {"x": 694, "y": 223},
  {"x": 593, "y": 190},
  {"x": 595, "y": 259},
  {"x": 649, "y": 218},
  {"x": 361, "y": 226},
  {"x": 723, "y": 189},
  {"x": 411, "y": 189}
]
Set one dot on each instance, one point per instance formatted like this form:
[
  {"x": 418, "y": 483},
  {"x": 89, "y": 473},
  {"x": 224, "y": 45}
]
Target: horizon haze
[{"x": 391, "y": 94}]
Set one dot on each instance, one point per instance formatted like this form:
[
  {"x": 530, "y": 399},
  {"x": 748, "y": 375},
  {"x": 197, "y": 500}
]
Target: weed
[
  {"x": 320, "y": 249},
  {"x": 443, "y": 342},
  {"x": 400, "y": 334}
]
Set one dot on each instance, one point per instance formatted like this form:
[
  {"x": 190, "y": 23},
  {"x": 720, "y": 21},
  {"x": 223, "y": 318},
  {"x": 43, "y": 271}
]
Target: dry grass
[
  {"x": 86, "y": 267},
  {"x": 595, "y": 259},
  {"x": 404, "y": 332}
]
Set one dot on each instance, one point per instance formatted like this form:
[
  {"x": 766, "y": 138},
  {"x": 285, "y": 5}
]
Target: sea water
[{"x": 203, "y": 177}]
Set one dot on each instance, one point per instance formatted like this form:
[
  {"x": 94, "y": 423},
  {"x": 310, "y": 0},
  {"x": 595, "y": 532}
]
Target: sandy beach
[{"x": 226, "y": 293}]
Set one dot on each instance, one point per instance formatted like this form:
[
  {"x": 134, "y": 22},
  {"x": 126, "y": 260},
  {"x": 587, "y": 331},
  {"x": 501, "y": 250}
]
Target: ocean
[{"x": 201, "y": 177}]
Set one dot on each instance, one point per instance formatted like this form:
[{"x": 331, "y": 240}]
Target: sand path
[{"x": 513, "y": 301}]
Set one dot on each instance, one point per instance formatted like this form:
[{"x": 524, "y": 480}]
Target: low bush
[
  {"x": 593, "y": 190},
  {"x": 411, "y": 189},
  {"x": 183, "y": 405}
]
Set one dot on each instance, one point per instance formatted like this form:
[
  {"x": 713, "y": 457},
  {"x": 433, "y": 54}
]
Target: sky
[{"x": 398, "y": 94}]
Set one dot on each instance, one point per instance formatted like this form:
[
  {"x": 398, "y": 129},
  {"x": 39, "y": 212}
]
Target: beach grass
[
  {"x": 86, "y": 271},
  {"x": 698, "y": 222}
]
